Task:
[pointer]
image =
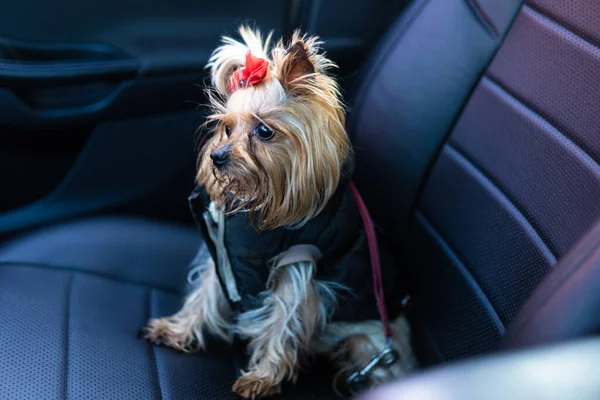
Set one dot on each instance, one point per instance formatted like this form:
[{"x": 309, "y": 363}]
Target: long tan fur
[
  {"x": 205, "y": 309},
  {"x": 281, "y": 182},
  {"x": 281, "y": 331},
  {"x": 290, "y": 179}
]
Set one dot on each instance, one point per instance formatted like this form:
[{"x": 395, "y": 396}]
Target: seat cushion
[
  {"x": 125, "y": 249},
  {"x": 73, "y": 300},
  {"x": 74, "y": 297}
]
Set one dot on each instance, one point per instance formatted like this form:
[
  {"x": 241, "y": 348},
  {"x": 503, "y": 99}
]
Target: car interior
[{"x": 476, "y": 130}]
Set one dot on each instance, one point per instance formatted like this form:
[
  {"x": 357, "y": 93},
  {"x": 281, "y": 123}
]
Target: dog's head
[{"x": 278, "y": 142}]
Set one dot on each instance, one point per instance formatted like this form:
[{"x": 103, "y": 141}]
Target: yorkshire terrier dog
[{"x": 289, "y": 270}]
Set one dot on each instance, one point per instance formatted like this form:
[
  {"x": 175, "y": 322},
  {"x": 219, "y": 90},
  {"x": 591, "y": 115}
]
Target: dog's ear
[
  {"x": 231, "y": 55},
  {"x": 301, "y": 62},
  {"x": 297, "y": 66}
]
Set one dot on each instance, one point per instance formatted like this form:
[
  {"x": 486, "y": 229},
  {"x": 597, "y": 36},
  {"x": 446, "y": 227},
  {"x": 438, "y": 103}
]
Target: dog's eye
[
  {"x": 263, "y": 132},
  {"x": 227, "y": 130}
]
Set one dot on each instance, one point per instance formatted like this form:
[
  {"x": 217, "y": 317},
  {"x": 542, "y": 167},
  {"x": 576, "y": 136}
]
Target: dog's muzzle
[{"x": 220, "y": 157}]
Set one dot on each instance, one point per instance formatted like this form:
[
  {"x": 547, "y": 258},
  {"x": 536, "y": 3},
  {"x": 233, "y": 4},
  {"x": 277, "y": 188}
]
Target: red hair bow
[{"x": 252, "y": 73}]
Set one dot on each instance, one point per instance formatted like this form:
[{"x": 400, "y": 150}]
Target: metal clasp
[{"x": 387, "y": 357}]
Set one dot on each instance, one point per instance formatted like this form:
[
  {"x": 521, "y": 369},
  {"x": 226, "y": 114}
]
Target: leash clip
[{"x": 387, "y": 357}]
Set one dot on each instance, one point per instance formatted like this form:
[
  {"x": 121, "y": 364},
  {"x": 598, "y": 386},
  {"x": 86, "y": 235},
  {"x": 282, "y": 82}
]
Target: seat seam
[
  {"x": 154, "y": 365},
  {"x": 465, "y": 272},
  {"x": 564, "y": 133},
  {"x": 482, "y": 17},
  {"x": 549, "y": 254},
  {"x": 445, "y": 137},
  {"x": 542, "y": 303},
  {"x": 54, "y": 267},
  {"x": 67, "y": 334},
  {"x": 553, "y": 20}
]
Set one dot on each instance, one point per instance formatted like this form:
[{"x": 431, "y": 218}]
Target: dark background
[{"x": 99, "y": 100}]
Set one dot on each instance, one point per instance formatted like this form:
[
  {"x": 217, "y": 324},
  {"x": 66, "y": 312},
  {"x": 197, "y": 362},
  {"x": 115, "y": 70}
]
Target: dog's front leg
[
  {"x": 205, "y": 309},
  {"x": 280, "y": 331}
]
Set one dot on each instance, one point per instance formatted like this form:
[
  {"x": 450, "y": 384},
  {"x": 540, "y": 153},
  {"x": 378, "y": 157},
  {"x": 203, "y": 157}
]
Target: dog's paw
[
  {"x": 252, "y": 386},
  {"x": 171, "y": 332}
]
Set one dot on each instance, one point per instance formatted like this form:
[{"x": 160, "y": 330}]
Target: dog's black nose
[{"x": 221, "y": 156}]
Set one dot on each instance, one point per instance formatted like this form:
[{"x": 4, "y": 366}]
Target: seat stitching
[
  {"x": 154, "y": 365},
  {"x": 463, "y": 269},
  {"x": 495, "y": 189},
  {"x": 556, "y": 128},
  {"x": 52, "y": 267},
  {"x": 67, "y": 334},
  {"x": 448, "y": 134},
  {"x": 549, "y": 295},
  {"x": 482, "y": 17},
  {"x": 552, "y": 20}
]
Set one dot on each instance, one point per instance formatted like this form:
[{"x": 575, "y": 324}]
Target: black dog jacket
[{"x": 334, "y": 239}]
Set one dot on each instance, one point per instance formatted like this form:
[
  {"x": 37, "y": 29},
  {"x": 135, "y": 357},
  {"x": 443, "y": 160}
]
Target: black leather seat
[
  {"x": 484, "y": 167},
  {"x": 73, "y": 299},
  {"x": 480, "y": 164}
]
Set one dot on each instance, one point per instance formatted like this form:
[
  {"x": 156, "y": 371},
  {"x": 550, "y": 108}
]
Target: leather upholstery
[
  {"x": 414, "y": 86},
  {"x": 566, "y": 303},
  {"x": 515, "y": 180},
  {"x": 73, "y": 300},
  {"x": 481, "y": 167},
  {"x": 107, "y": 247}
]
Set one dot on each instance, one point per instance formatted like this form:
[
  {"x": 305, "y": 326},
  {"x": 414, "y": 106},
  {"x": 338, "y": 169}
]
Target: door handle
[
  {"x": 23, "y": 74},
  {"x": 60, "y": 84},
  {"x": 25, "y": 64}
]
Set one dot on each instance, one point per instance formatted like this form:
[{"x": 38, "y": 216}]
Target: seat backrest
[{"x": 477, "y": 132}]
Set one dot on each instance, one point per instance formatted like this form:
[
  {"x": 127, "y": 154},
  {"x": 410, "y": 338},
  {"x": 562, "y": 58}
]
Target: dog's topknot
[{"x": 231, "y": 55}]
